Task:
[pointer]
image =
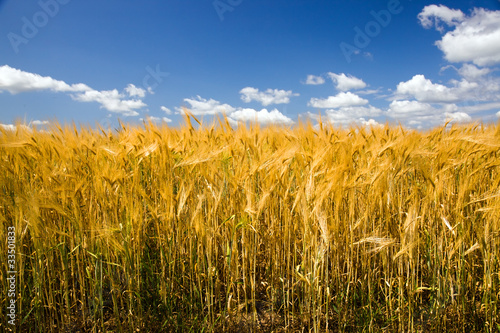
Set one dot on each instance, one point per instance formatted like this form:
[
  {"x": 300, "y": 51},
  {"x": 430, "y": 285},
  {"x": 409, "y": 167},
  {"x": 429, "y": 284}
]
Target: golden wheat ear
[{"x": 251, "y": 229}]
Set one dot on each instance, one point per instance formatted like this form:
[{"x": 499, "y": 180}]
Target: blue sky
[{"x": 418, "y": 63}]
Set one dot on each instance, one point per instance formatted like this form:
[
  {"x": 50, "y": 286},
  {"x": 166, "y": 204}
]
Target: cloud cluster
[
  {"x": 472, "y": 41},
  {"x": 346, "y": 82},
  {"x": 168, "y": 112},
  {"x": 12, "y": 127},
  {"x": 263, "y": 116},
  {"x": 424, "y": 90},
  {"x": 156, "y": 120},
  {"x": 349, "y": 116},
  {"x": 472, "y": 73},
  {"x": 345, "y": 108},
  {"x": 134, "y": 91},
  {"x": 28, "y": 127},
  {"x": 342, "y": 81},
  {"x": 17, "y": 81},
  {"x": 343, "y": 99},
  {"x": 268, "y": 97},
  {"x": 111, "y": 100},
  {"x": 473, "y": 38},
  {"x": 314, "y": 80},
  {"x": 40, "y": 122},
  {"x": 421, "y": 103},
  {"x": 433, "y": 14},
  {"x": 468, "y": 41},
  {"x": 200, "y": 107}
]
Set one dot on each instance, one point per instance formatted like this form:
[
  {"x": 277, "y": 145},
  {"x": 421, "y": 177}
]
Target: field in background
[{"x": 263, "y": 229}]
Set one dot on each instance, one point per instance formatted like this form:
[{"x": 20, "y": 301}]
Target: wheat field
[{"x": 208, "y": 228}]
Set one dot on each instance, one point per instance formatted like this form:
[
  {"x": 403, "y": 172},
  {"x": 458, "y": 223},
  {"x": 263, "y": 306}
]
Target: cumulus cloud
[
  {"x": 476, "y": 85},
  {"x": 166, "y": 110},
  {"x": 343, "y": 99},
  {"x": 472, "y": 73},
  {"x": 424, "y": 90},
  {"x": 420, "y": 115},
  {"x": 369, "y": 122},
  {"x": 12, "y": 127},
  {"x": 263, "y": 116},
  {"x": 112, "y": 101},
  {"x": 8, "y": 127},
  {"x": 457, "y": 117},
  {"x": 40, "y": 122},
  {"x": 314, "y": 80},
  {"x": 369, "y": 91},
  {"x": 350, "y": 115},
  {"x": 17, "y": 81},
  {"x": 414, "y": 113},
  {"x": 133, "y": 91},
  {"x": 346, "y": 82},
  {"x": 201, "y": 106},
  {"x": 408, "y": 109},
  {"x": 270, "y": 96},
  {"x": 473, "y": 38},
  {"x": 433, "y": 14},
  {"x": 156, "y": 119},
  {"x": 480, "y": 107}
]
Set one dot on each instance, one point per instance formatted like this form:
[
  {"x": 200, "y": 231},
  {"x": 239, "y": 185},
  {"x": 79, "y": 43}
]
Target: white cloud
[
  {"x": 420, "y": 115},
  {"x": 314, "y": 80},
  {"x": 166, "y": 110},
  {"x": 431, "y": 15},
  {"x": 481, "y": 107},
  {"x": 201, "y": 107},
  {"x": 12, "y": 127},
  {"x": 370, "y": 122},
  {"x": 474, "y": 38},
  {"x": 270, "y": 96},
  {"x": 346, "y": 116},
  {"x": 498, "y": 114},
  {"x": 40, "y": 122},
  {"x": 368, "y": 56},
  {"x": 457, "y": 117},
  {"x": 263, "y": 116},
  {"x": 17, "y": 81},
  {"x": 156, "y": 119},
  {"x": 358, "y": 111},
  {"x": 8, "y": 127},
  {"x": 112, "y": 101},
  {"x": 369, "y": 91},
  {"x": 409, "y": 109},
  {"x": 343, "y": 99},
  {"x": 133, "y": 91},
  {"x": 472, "y": 73},
  {"x": 346, "y": 82},
  {"x": 477, "y": 84},
  {"x": 424, "y": 90}
]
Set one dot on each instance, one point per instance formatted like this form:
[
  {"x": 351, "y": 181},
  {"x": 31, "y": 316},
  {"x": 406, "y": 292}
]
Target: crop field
[{"x": 208, "y": 228}]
